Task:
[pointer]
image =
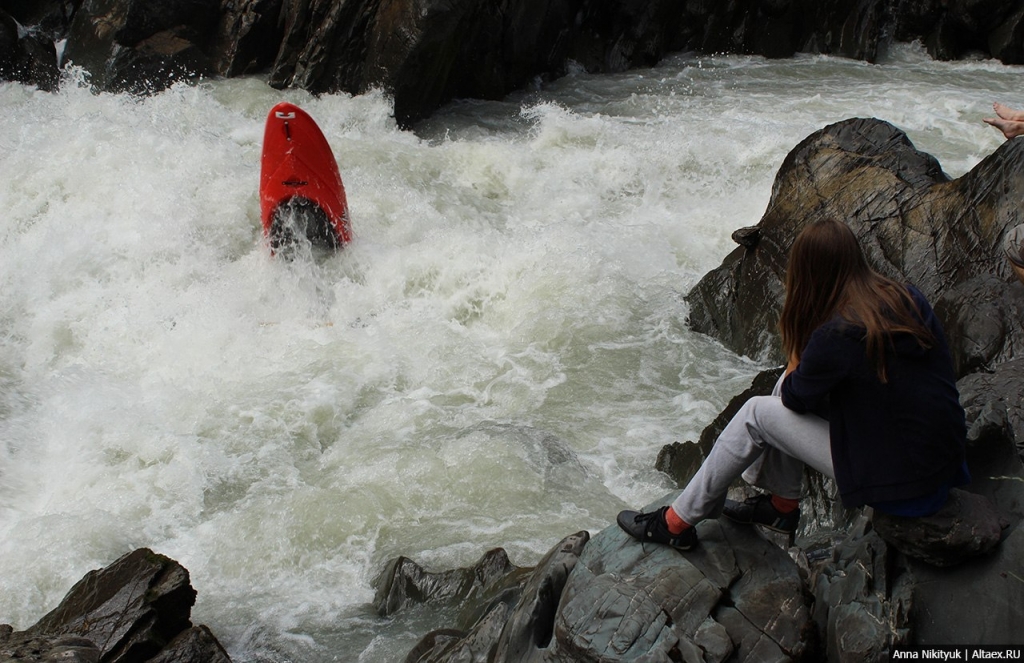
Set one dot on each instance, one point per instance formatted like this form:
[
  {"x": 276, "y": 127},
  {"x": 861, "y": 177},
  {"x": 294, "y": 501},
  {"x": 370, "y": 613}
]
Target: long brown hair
[{"x": 828, "y": 275}]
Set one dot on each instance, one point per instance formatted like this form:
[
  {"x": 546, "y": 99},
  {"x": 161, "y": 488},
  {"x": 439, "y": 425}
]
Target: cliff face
[{"x": 427, "y": 52}]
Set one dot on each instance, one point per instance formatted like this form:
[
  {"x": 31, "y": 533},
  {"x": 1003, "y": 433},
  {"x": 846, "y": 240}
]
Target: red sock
[
  {"x": 676, "y": 525},
  {"x": 784, "y": 504}
]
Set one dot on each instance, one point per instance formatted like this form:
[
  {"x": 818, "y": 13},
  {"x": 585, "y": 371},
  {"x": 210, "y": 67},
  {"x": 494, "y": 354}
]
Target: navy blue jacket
[{"x": 898, "y": 440}]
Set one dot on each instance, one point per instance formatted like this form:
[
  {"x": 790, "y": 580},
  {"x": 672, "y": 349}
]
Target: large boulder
[
  {"x": 135, "y": 610},
  {"x": 141, "y": 47},
  {"x": 914, "y": 223}
]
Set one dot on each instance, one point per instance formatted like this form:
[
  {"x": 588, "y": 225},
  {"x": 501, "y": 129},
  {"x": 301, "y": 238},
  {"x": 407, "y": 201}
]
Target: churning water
[{"x": 494, "y": 361}]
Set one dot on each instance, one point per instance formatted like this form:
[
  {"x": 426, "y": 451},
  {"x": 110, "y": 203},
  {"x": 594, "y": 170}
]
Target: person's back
[{"x": 892, "y": 440}]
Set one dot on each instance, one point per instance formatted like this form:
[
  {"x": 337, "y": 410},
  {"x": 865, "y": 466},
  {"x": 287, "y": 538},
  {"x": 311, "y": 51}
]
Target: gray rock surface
[
  {"x": 737, "y": 597},
  {"x": 966, "y": 527},
  {"x": 914, "y": 223}
]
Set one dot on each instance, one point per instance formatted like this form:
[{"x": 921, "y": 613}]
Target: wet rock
[
  {"x": 426, "y": 52},
  {"x": 155, "y": 63},
  {"x": 994, "y": 402},
  {"x": 137, "y": 609},
  {"x": 249, "y": 35},
  {"x": 869, "y": 597},
  {"x": 612, "y": 598},
  {"x": 403, "y": 582},
  {"x": 26, "y": 55},
  {"x": 131, "y": 609},
  {"x": 142, "y": 47},
  {"x": 978, "y": 601},
  {"x": 511, "y": 620},
  {"x": 193, "y": 645}
]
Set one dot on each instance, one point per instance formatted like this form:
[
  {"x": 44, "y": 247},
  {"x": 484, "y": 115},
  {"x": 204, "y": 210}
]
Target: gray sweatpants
[{"x": 767, "y": 444}]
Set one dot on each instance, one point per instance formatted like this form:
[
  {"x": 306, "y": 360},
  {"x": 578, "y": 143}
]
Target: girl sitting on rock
[{"x": 868, "y": 398}]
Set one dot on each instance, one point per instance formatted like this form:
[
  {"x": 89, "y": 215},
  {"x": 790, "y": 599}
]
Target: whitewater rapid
[{"x": 495, "y": 360}]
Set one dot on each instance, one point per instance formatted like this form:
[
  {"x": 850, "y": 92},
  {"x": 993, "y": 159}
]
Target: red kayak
[{"x": 301, "y": 193}]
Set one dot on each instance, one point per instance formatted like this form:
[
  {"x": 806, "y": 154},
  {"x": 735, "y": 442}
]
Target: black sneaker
[
  {"x": 651, "y": 527},
  {"x": 759, "y": 511}
]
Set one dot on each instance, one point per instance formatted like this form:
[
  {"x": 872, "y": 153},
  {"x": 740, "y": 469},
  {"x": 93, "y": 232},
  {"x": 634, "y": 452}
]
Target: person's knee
[
  {"x": 760, "y": 411},
  {"x": 758, "y": 403}
]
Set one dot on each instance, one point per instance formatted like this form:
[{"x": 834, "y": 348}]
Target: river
[{"x": 495, "y": 360}]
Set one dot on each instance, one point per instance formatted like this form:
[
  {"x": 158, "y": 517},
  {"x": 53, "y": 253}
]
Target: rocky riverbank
[
  {"x": 851, "y": 587},
  {"x": 427, "y": 52},
  {"x": 855, "y": 584}
]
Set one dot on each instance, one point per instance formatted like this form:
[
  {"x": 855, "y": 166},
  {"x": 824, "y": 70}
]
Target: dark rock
[
  {"x": 979, "y": 601},
  {"x": 51, "y": 17},
  {"x": 193, "y": 645},
  {"x": 747, "y": 237},
  {"x": 8, "y": 45},
  {"x": 141, "y": 20},
  {"x": 138, "y": 46},
  {"x": 26, "y": 56},
  {"x": 130, "y": 609},
  {"x": 967, "y": 526},
  {"x": 427, "y": 52},
  {"x": 507, "y": 623},
  {"x": 850, "y": 29},
  {"x": 916, "y": 19},
  {"x": 135, "y": 610},
  {"x": 27, "y": 648},
  {"x": 249, "y": 35},
  {"x": 155, "y": 63},
  {"x": 862, "y": 601},
  {"x": 613, "y": 598},
  {"x": 914, "y": 224},
  {"x": 403, "y": 582},
  {"x": 869, "y": 597},
  {"x": 982, "y": 314},
  {"x": 994, "y": 402}
]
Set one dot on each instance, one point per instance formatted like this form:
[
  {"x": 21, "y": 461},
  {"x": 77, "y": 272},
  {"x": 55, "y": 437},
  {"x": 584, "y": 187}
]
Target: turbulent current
[{"x": 495, "y": 360}]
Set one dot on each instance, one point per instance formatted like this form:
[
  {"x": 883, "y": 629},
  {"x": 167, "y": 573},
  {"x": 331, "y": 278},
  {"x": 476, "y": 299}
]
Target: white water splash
[{"x": 494, "y": 361}]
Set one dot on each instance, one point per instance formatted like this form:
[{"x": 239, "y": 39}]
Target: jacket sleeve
[{"x": 825, "y": 361}]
